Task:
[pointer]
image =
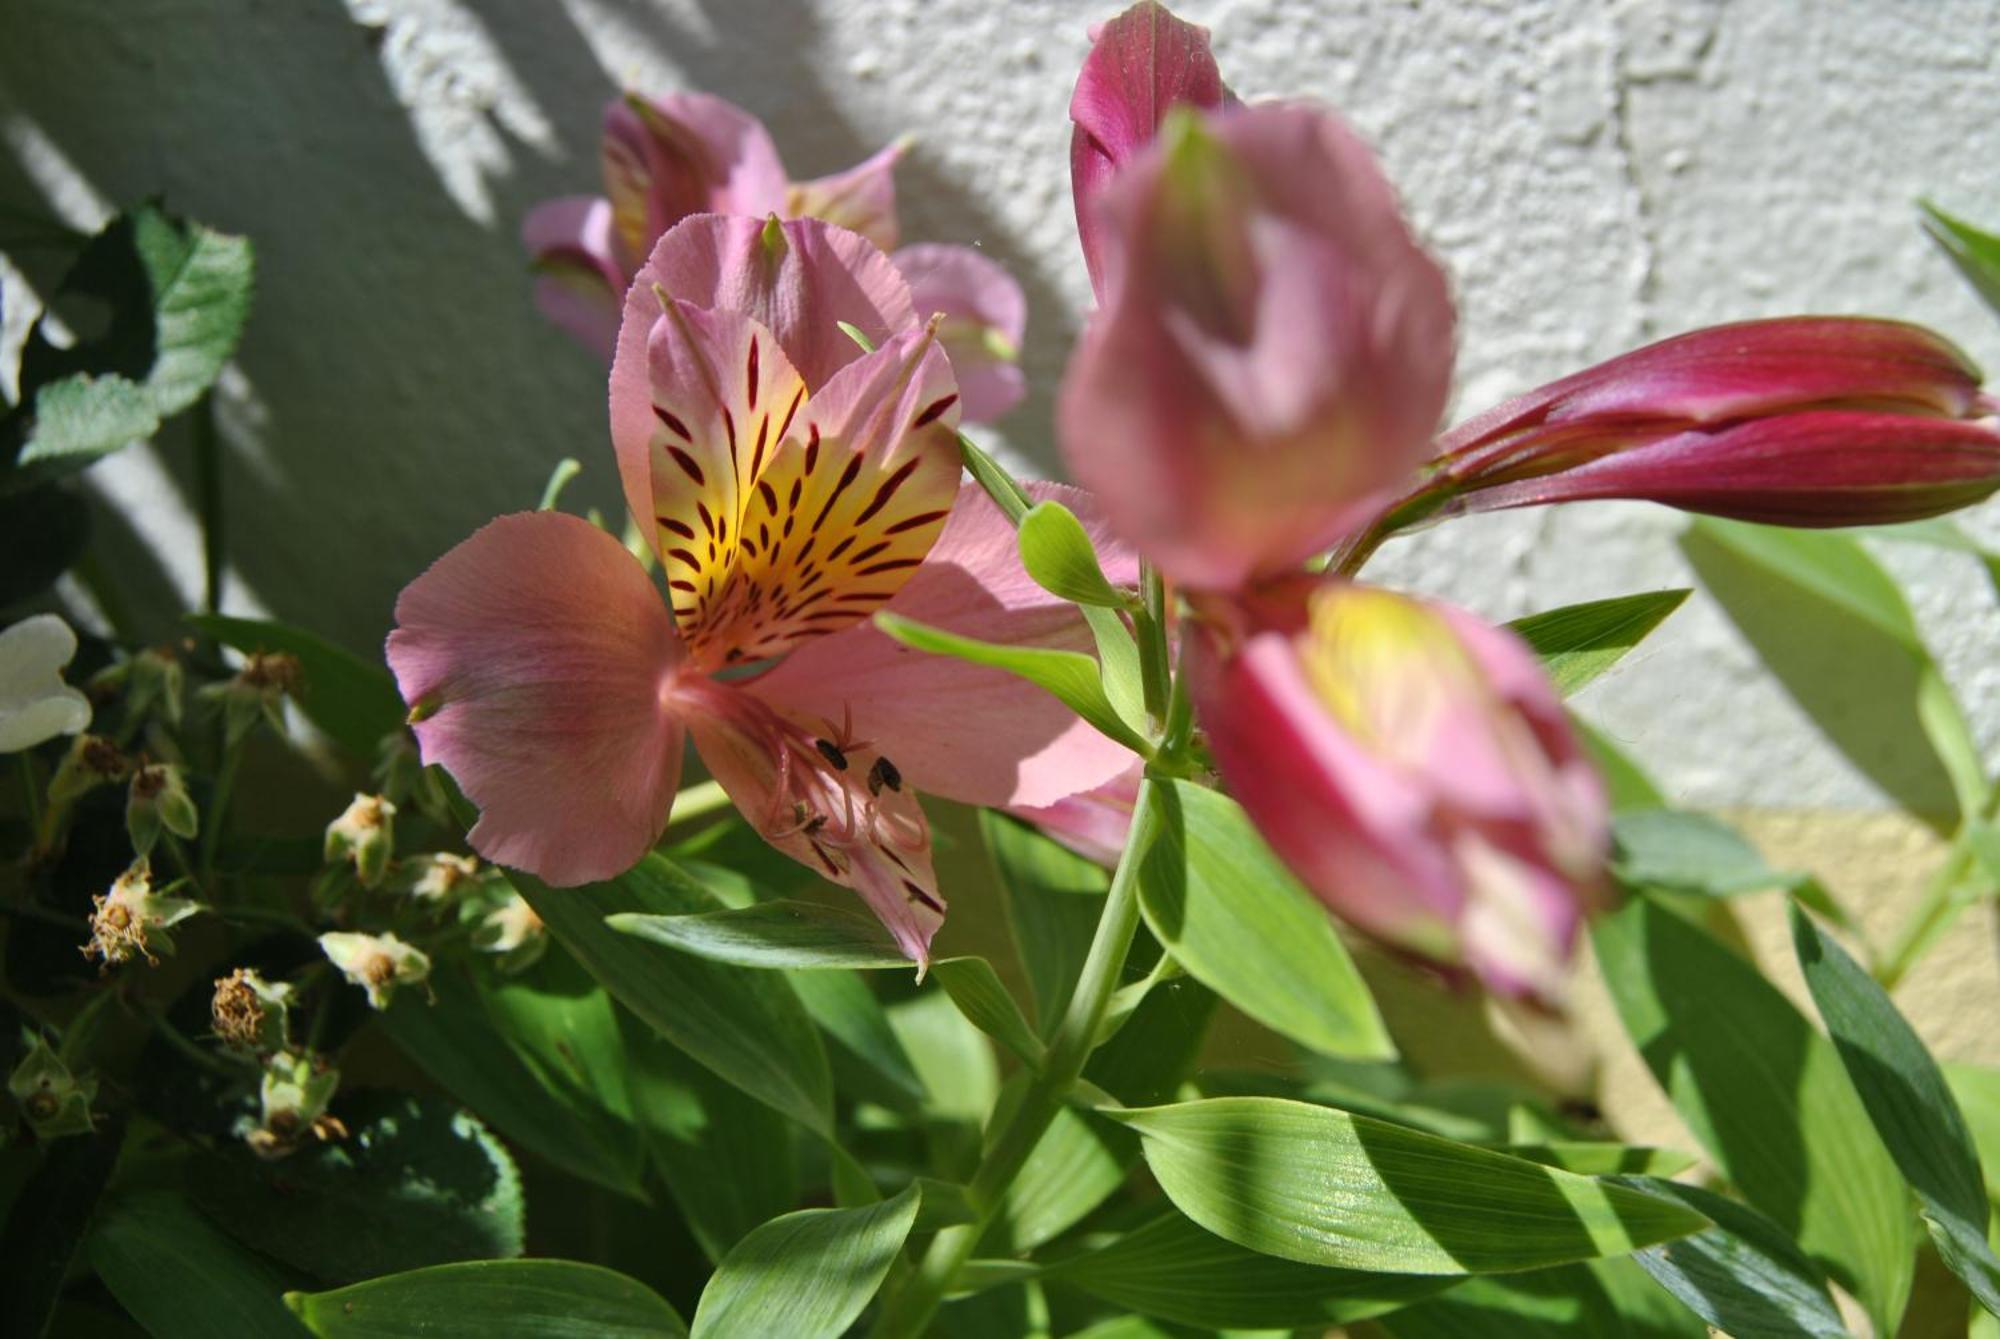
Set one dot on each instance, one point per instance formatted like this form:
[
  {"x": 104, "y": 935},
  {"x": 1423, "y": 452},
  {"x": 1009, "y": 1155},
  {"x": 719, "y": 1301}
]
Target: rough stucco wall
[{"x": 1593, "y": 174}]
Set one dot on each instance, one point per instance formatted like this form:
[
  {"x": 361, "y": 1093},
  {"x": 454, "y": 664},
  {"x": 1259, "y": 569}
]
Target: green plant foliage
[
  {"x": 781, "y": 934},
  {"x": 1579, "y": 642},
  {"x": 1689, "y": 853},
  {"x": 522, "y": 1299},
  {"x": 807, "y": 1274},
  {"x": 355, "y": 703},
  {"x": 1605, "y": 1299},
  {"x": 182, "y": 1278},
  {"x": 1057, "y": 553},
  {"x": 1975, "y": 251},
  {"x": 1053, "y": 898}
]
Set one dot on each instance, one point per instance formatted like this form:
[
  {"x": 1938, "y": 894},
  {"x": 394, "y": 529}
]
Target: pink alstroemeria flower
[
  {"x": 666, "y": 159},
  {"x": 1803, "y": 421},
  {"x": 1413, "y": 766},
  {"x": 1141, "y": 65},
  {"x": 791, "y": 485},
  {"x": 1274, "y": 352}
]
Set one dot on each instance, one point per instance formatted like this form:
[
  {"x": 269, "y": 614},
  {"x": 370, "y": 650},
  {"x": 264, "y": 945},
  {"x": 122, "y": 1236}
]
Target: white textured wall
[{"x": 1594, "y": 174}]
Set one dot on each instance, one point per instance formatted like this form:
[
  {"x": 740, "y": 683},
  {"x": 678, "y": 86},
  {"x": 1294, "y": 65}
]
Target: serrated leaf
[
  {"x": 1057, "y": 553},
  {"x": 1069, "y": 676},
  {"x": 1690, "y": 853},
  {"x": 81, "y": 417},
  {"x": 1907, "y": 1098},
  {"x": 780, "y": 934},
  {"x": 1228, "y": 911},
  {"x": 522, "y": 1299},
  {"x": 353, "y": 701},
  {"x": 1743, "y": 1275},
  {"x": 806, "y": 1275},
  {"x": 182, "y": 1278},
  {"x": 1324, "y": 1187},
  {"x": 1578, "y": 643},
  {"x": 1974, "y": 251},
  {"x": 1173, "y": 1269},
  {"x": 1766, "y": 1095}
]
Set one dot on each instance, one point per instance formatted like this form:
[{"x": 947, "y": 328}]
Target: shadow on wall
[{"x": 398, "y": 390}]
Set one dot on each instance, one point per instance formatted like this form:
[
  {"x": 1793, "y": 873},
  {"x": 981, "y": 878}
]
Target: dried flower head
[
  {"x": 248, "y": 1013},
  {"x": 132, "y": 920},
  {"x": 92, "y": 761}
]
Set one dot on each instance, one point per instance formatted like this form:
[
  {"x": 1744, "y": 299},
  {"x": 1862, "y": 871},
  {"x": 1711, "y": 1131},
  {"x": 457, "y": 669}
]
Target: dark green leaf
[
  {"x": 1233, "y": 916},
  {"x": 806, "y": 1275},
  {"x": 182, "y": 1278},
  {"x": 416, "y": 1182},
  {"x": 1054, "y": 897},
  {"x": 1324, "y": 1187},
  {"x": 520, "y": 1299},
  {"x": 977, "y": 992},
  {"x": 46, "y": 1223},
  {"x": 868, "y": 1062},
  {"x": 745, "y": 1025},
  {"x": 1767, "y": 1097},
  {"x": 1743, "y": 1275},
  {"x": 353, "y": 701},
  {"x": 1906, "y": 1097},
  {"x": 952, "y": 1058},
  {"x": 782, "y": 934},
  {"x": 1579, "y": 642},
  {"x": 1605, "y": 1299},
  {"x": 1689, "y": 853},
  {"x": 43, "y": 531},
  {"x": 1173, "y": 1269},
  {"x": 1057, "y": 553},
  {"x": 1975, "y": 251}
]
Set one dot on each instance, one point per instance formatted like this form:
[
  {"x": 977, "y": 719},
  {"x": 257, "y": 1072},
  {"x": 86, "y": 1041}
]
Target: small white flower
[
  {"x": 365, "y": 834},
  {"x": 35, "y": 703},
  {"x": 376, "y": 963}
]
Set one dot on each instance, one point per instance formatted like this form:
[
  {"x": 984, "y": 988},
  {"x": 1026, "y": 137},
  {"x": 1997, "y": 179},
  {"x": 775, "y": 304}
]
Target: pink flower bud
[
  {"x": 1805, "y": 421},
  {"x": 1414, "y": 768},
  {"x": 1274, "y": 352}
]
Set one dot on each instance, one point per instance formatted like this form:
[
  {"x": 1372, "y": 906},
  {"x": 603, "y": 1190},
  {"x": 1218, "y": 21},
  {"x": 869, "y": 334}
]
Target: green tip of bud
[
  {"x": 773, "y": 237},
  {"x": 423, "y": 709},
  {"x": 661, "y": 296},
  {"x": 998, "y": 345},
  {"x": 853, "y": 332}
]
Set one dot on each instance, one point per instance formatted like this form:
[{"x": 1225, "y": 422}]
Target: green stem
[
  {"x": 218, "y": 809},
  {"x": 1150, "y": 621},
  {"x": 186, "y": 1046},
  {"x": 910, "y": 1310},
  {"x": 698, "y": 802},
  {"x": 208, "y": 500},
  {"x": 1940, "y": 904},
  {"x": 31, "y": 790}
]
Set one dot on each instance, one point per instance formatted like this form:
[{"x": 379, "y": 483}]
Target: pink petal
[
  {"x": 578, "y": 285},
  {"x": 1095, "y": 823},
  {"x": 537, "y": 654},
  {"x": 686, "y": 153},
  {"x": 956, "y": 730},
  {"x": 986, "y": 318},
  {"x": 799, "y": 279},
  {"x": 1140, "y": 65},
  {"x": 1273, "y": 357},
  {"x": 862, "y": 199}
]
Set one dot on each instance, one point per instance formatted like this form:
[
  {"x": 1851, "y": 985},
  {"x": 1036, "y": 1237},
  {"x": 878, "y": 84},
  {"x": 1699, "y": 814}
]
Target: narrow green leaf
[
  {"x": 747, "y": 1026},
  {"x": 182, "y": 1278},
  {"x": 977, "y": 992},
  {"x": 1907, "y": 1098},
  {"x": 944, "y": 1205},
  {"x": 1172, "y": 1269},
  {"x": 1057, "y": 553},
  {"x": 1604, "y": 1299},
  {"x": 1053, "y": 898},
  {"x": 353, "y": 701},
  {"x": 1070, "y": 676},
  {"x": 1743, "y": 1275},
  {"x": 1078, "y": 1163},
  {"x": 1766, "y": 1095},
  {"x": 1975, "y": 251},
  {"x": 1010, "y": 497},
  {"x": 1324, "y": 1187},
  {"x": 1689, "y": 853},
  {"x": 47, "y": 1222},
  {"x": 806, "y": 1275},
  {"x": 868, "y": 1061},
  {"x": 1805, "y": 600},
  {"x": 782, "y": 934},
  {"x": 522, "y": 1299},
  {"x": 1593, "y": 1159},
  {"x": 1579, "y": 642},
  {"x": 1233, "y": 916},
  {"x": 1117, "y": 664},
  {"x": 952, "y": 1058},
  {"x": 1627, "y": 782},
  {"x": 1976, "y": 1089}
]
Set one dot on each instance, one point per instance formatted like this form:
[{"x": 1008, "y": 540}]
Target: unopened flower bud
[
  {"x": 53, "y": 1101},
  {"x": 248, "y": 1013},
  {"x": 158, "y": 798},
  {"x": 132, "y": 919},
  {"x": 259, "y": 688},
  {"x": 376, "y": 963},
  {"x": 293, "y": 1097},
  {"x": 441, "y": 877},
  {"x": 154, "y": 678},
  {"x": 92, "y": 761},
  {"x": 366, "y": 835}
]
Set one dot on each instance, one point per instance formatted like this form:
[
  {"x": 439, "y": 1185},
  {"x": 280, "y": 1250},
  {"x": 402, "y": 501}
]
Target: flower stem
[
  {"x": 909, "y": 1310},
  {"x": 1150, "y": 621},
  {"x": 218, "y": 809},
  {"x": 1941, "y": 902},
  {"x": 31, "y": 790}
]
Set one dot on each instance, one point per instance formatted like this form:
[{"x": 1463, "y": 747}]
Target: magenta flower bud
[
  {"x": 1141, "y": 64},
  {"x": 1414, "y": 768},
  {"x": 1274, "y": 352},
  {"x": 1804, "y": 421}
]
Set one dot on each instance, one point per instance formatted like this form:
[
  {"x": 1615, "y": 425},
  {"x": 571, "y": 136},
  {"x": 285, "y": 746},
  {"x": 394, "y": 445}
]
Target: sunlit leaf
[
  {"x": 1057, "y": 553},
  {"x": 1579, "y": 642},
  {"x": 522, "y": 1299},
  {"x": 806, "y": 1275}
]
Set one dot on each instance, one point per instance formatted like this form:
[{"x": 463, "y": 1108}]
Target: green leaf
[
  {"x": 1233, "y": 916},
  {"x": 416, "y": 1182},
  {"x": 1324, "y": 1187},
  {"x": 1806, "y": 600},
  {"x": 1010, "y": 497},
  {"x": 354, "y": 702},
  {"x": 868, "y": 1061},
  {"x": 1077, "y": 1164},
  {"x": 782, "y": 934},
  {"x": 747, "y": 1026},
  {"x": 1053, "y": 897},
  {"x": 806, "y": 1275},
  {"x": 1689, "y": 853},
  {"x": 1593, "y": 1159},
  {"x": 1057, "y": 553},
  {"x": 83, "y": 417},
  {"x": 182, "y": 1278},
  {"x": 1974, "y": 251},
  {"x": 977, "y": 992},
  {"x": 1743, "y": 1275},
  {"x": 1907, "y": 1098},
  {"x": 1172, "y": 1269},
  {"x": 48, "y": 1219},
  {"x": 43, "y": 532},
  {"x": 1976, "y": 1089},
  {"x": 1767, "y": 1097},
  {"x": 1627, "y": 782},
  {"x": 952, "y": 1058},
  {"x": 1605, "y": 1299},
  {"x": 543, "y": 1066},
  {"x": 522, "y": 1299},
  {"x": 1070, "y": 676},
  {"x": 1579, "y": 642}
]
